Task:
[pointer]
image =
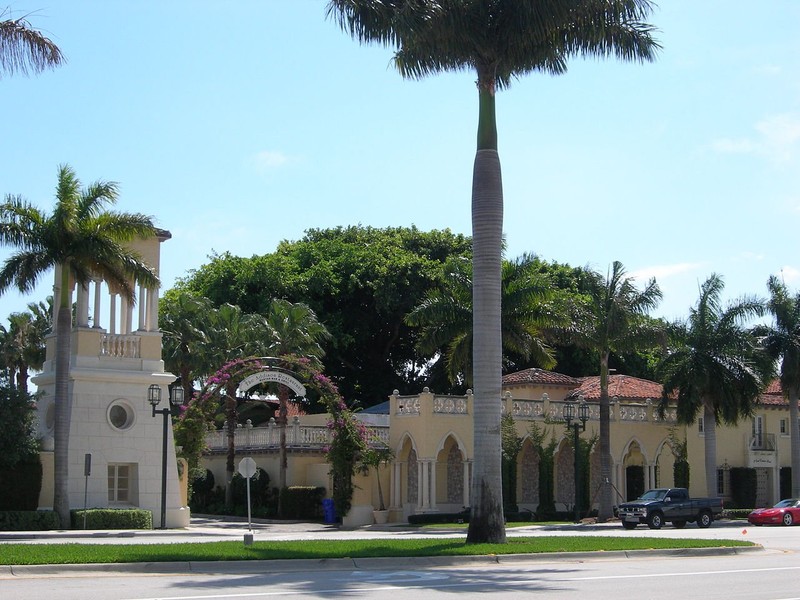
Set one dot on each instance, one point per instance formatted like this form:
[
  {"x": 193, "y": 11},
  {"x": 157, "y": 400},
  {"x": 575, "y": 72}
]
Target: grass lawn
[{"x": 39, "y": 554}]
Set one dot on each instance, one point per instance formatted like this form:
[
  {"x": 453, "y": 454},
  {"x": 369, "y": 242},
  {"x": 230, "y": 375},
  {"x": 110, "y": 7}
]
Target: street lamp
[
  {"x": 175, "y": 399},
  {"x": 577, "y": 424}
]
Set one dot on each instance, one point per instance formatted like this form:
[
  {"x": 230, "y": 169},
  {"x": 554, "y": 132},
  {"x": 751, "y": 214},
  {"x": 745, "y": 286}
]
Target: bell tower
[{"x": 115, "y": 359}]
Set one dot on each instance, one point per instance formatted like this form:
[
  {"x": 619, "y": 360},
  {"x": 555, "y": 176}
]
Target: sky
[{"x": 238, "y": 124}]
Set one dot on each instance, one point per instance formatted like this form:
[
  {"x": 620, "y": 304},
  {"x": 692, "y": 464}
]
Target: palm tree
[
  {"x": 782, "y": 342},
  {"x": 23, "y": 348},
  {"x": 81, "y": 240},
  {"x": 445, "y": 316},
  {"x": 715, "y": 368},
  {"x": 294, "y": 330},
  {"x": 499, "y": 41},
  {"x": 613, "y": 320},
  {"x": 23, "y": 48},
  {"x": 184, "y": 322}
]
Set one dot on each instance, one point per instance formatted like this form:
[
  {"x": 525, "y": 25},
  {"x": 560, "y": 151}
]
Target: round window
[{"x": 120, "y": 415}]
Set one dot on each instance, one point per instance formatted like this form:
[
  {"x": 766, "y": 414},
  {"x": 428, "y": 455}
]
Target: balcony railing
[
  {"x": 297, "y": 437},
  {"x": 120, "y": 346},
  {"x": 763, "y": 441}
]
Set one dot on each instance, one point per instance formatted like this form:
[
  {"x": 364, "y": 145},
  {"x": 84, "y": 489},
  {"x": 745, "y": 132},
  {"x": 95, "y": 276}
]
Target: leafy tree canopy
[
  {"x": 360, "y": 282},
  {"x": 17, "y": 428}
]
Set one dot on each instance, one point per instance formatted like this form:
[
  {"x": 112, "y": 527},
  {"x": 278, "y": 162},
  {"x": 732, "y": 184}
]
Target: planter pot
[{"x": 381, "y": 516}]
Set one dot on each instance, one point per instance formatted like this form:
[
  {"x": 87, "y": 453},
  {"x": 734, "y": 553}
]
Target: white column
[
  {"x": 83, "y": 306},
  {"x": 397, "y": 478},
  {"x": 97, "y": 288},
  {"x": 128, "y": 318},
  {"x": 432, "y": 494},
  {"x": 142, "y": 305},
  {"x": 420, "y": 483},
  {"x": 152, "y": 310},
  {"x": 112, "y": 306}
]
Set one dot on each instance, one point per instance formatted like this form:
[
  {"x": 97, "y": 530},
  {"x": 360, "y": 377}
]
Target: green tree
[
  {"x": 528, "y": 308},
  {"x": 184, "y": 321},
  {"x": 714, "y": 368},
  {"x": 498, "y": 41},
  {"x": 294, "y": 330},
  {"x": 782, "y": 343},
  {"x": 17, "y": 427},
  {"x": 81, "y": 240},
  {"x": 360, "y": 282},
  {"x": 22, "y": 345},
  {"x": 23, "y": 48},
  {"x": 614, "y": 319}
]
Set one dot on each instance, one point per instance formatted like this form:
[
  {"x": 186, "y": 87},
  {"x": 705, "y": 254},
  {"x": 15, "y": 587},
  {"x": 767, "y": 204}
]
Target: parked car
[
  {"x": 785, "y": 512},
  {"x": 669, "y": 505}
]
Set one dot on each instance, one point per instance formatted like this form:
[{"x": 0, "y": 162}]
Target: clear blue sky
[{"x": 240, "y": 124}]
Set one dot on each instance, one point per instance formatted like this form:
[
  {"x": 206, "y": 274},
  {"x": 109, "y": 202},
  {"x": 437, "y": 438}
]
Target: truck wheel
[
  {"x": 787, "y": 518},
  {"x": 679, "y": 524},
  {"x": 655, "y": 520},
  {"x": 704, "y": 520},
  {"x": 628, "y": 525}
]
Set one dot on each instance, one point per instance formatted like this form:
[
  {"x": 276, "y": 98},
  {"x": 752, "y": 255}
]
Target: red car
[{"x": 786, "y": 512}]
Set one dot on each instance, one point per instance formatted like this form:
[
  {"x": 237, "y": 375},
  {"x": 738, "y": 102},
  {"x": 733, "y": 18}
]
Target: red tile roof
[
  {"x": 623, "y": 387},
  {"x": 540, "y": 377},
  {"x": 773, "y": 395}
]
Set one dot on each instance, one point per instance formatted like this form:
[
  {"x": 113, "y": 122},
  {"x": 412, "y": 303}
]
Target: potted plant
[{"x": 374, "y": 458}]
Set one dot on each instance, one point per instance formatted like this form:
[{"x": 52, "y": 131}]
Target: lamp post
[
  {"x": 175, "y": 399},
  {"x": 577, "y": 422}
]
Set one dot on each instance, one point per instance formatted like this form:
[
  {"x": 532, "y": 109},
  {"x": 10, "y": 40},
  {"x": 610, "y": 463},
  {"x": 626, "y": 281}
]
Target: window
[
  {"x": 784, "y": 427},
  {"x": 123, "y": 485},
  {"x": 120, "y": 415},
  {"x": 720, "y": 482},
  {"x": 701, "y": 426}
]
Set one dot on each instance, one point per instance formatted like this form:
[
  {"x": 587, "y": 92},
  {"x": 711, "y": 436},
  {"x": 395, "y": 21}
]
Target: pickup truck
[{"x": 669, "y": 505}]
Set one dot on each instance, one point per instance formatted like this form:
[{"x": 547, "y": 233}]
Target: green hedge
[
  {"x": 28, "y": 520},
  {"x": 108, "y": 518},
  {"x": 302, "y": 502}
]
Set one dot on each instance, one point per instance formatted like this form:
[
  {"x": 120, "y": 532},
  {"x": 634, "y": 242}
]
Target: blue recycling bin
[{"x": 328, "y": 511}]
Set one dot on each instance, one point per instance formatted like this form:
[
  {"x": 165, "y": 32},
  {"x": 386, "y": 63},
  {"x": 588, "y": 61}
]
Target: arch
[
  {"x": 626, "y": 449},
  {"x": 406, "y": 438},
  {"x": 528, "y": 474},
  {"x": 456, "y": 439},
  {"x": 565, "y": 473}
]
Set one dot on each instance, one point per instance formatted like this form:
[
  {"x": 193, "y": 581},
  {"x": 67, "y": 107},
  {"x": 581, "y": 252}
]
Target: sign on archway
[{"x": 273, "y": 376}]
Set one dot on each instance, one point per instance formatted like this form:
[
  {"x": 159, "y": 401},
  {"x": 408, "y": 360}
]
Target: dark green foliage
[
  {"x": 28, "y": 520},
  {"x": 736, "y": 513},
  {"x": 680, "y": 471},
  {"x": 786, "y": 482},
  {"x": 20, "y": 486},
  {"x": 108, "y": 518},
  {"x": 201, "y": 485},
  {"x": 547, "y": 505},
  {"x": 743, "y": 487},
  {"x": 511, "y": 445},
  {"x": 302, "y": 502},
  {"x": 360, "y": 281},
  {"x": 260, "y": 492},
  {"x": 17, "y": 428}
]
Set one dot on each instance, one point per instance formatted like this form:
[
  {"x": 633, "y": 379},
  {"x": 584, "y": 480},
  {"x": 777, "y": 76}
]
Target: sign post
[
  {"x": 247, "y": 468},
  {"x": 87, "y": 471}
]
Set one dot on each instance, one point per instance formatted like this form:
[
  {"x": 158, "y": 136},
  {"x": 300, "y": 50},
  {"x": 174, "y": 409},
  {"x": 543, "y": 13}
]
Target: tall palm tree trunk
[
  {"x": 710, "y": 435},
  {"x": 63, "y": 403},
  {"x": 605, "y": 508},
  {"x": 486, "y": 519},
  {"x": 794, "y": 421}
]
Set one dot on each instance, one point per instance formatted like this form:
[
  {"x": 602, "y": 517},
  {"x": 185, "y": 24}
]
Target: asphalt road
[{"x": 769, "y": 573}]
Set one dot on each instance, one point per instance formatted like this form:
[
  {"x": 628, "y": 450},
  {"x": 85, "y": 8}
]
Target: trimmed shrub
[
  {"x": 260, "y": 491},
  {"x": 28, "y": 520},
  {"x": 680, "y": 472},
  {"x": 201, "y": 485},
  {"x": 20, "y": 486},
  {"x": 109, "y": 518},
  {"x": 432, "y": 518},
  {"x": 302, "y": 502}
]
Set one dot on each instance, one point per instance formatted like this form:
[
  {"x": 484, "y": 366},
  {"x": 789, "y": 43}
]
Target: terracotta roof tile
[
  {"x": 773, "y": 395},
  {"x": 623, "y": 387},
  {"x": 539, "y": 376}
]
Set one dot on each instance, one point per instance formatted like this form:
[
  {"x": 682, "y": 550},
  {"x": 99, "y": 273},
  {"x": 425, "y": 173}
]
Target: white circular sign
[{"x": 247, "y": 467}]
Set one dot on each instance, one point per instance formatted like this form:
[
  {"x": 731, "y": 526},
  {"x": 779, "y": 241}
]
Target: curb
[{"x": 345, "y": 564}]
